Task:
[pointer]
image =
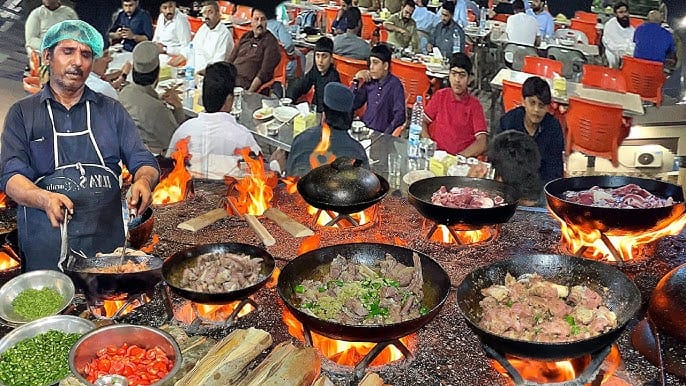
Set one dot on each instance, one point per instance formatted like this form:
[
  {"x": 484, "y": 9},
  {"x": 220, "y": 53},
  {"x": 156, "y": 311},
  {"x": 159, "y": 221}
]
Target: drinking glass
[
  {"x": 394, "y": 164},
  {"x": 237, "y": 106}
]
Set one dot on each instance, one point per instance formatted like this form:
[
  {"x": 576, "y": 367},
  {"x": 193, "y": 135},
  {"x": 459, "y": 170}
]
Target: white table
[{"x": 589, "y": 50}]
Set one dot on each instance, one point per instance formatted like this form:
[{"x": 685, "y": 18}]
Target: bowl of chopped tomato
[{"x": 144, "y": 355}]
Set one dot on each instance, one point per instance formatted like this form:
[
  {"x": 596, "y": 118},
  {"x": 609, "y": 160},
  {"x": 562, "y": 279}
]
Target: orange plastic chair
[
  {"x": 31, "y": 84},
  {"x": 636, "y": 21},
  {"x": 542, "y": 66},
  {"x": 347, "y": 67},
  {"x": 414, "y": 79},
  {"x": 594, "y": 128},
  {"x": 243, "y": 12},
  {"x": 644, "y": 77},
  {"x": 368, "y": 26},
  {"x": 279, "y": 73},
  {"x": 239, "y": 31},
  {"x": 603, "y": 77},
  {"x": 512, "y": 95},
  {"x": 195, "y": 22},
  {"x": 225, "y": 7},
  {"x": 501, "y": 17},
  {"x": 588, "y": 28},
  {"x": 586, "y": 16},
  {"x": 383, "y": 35},
  {"x": 330, "y": 14}
]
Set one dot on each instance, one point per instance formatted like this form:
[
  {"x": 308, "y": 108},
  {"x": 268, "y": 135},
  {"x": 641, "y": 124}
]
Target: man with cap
[
  {"x": 173, "y": 31},
  {"x": 215, "y": 131},
  {"x": 453, "y": 117},
  {"x": 382, "y": 92},
  {"x": 321, "y": 74},
  {"x": 338, "y": 117},
  {"x": 132, "y": 25},
  {"x": 61, "y": 150},
  {"x": 156, "y": 123}
]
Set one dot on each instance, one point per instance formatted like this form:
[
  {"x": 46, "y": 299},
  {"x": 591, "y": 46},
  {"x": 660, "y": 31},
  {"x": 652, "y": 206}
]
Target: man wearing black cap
[
  {"x": 319, "y": 76},
  {"x": 338, "y": 107}
]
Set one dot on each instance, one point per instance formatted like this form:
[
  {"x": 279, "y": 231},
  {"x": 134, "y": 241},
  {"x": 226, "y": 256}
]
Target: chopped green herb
[
  {"x": 423, "y": 311},
  {"x": 32, "y": 303},
  {"x": 509, "y": 302},
  {"x": 299, "y": 289},
  {"x": 391, "y": 282},
  {"x": 575, "y": 330},
  {"x": 309, "y": 305},
  {"x": 570, "y": 320},
  {"x": 537, "y": 330},
  {"x": 322, "y": 289}
]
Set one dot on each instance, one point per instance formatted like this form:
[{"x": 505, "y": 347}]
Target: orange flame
[
  {"x": 255, "y": 190},
  {"x": 562, "y": 371},
  {"x": 110, "y": 307},
  {"x": 274, "y": 278},
  {"x": 309, "y": 243},
  {"x": 467, "y": 237},
  {"x": 347, "y": 353},
  {"x": 627, "y": 244},
  {"x": 189, "y": 311},
  {"x": 150, "y": 247},
  {"x": 325, "y": 217},
  {"x": 399, "y": 242},
  {"x": 321, "y": 154},
  {"x": 125, "y": 174},
  {"x": 173, "y": 187},
  {"x": 7, "y": 262},
  {"x": 291, "y": 184},
  {"x": 3, "y": 200}
]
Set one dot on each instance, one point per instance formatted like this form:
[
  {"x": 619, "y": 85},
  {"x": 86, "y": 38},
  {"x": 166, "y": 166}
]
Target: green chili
[{"x": 32, "y": 304}]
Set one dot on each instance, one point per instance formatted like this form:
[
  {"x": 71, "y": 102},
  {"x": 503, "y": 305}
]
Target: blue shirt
[
  {"x": 385, "y": 101},
  {"x": 342, "y": 144},
  {"x": 546, "y": 24},
  {"x": 548, "y": 137},
  {"x": 653, "y": 42},
  {"x": 139, "y": 22},
  {"x": 425, "y": 19},
  {"x": 460, "y": 15},
  {"x": 443, "y": 38},
  {"x": 27, "y": 139}
]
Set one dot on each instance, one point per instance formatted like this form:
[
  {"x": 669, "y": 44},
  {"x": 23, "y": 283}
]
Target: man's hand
[
  {"x": 54, "y": 204},
  {"x": 161, "y": 47},
  {"x": 172, "y": 96},
  {"x": 126, "y": 33},
  {"x": 141, "y": 190},
  {"x": 363, "y": 75}
]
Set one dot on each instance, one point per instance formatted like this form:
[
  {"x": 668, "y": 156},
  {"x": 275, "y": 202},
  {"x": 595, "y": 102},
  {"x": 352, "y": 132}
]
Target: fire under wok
[
  {"x": 622, "y": 297},
  {"x": 615, "y": 220},
  {"x": 173, "y": 267},
  {"x": 421, "y": 191},
  {"x": 316, "y": 263}
]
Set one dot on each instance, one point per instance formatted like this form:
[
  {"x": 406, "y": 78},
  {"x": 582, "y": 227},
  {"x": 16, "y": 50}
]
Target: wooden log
[
  {"x": 197, "y": 223},
  {"x": 259, "y": 229},
  {"x": 287, "y": 223},
  {"x": 371, "y": 379},
  {"x": 286, "y": 365},
  {"x": 323, "y": 380}
]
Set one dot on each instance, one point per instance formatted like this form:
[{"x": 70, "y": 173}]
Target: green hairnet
[{"x": 76, "y": 30}]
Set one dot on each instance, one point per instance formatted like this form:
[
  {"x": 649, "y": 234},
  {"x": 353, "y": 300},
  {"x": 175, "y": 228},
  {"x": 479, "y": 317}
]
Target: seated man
[
  {"x": 213, "y": 42},
  {"x": 445, "y": 32},
  {"x": 322, "y": 73},
  {"x": 521, "y": 28},
  {"x": 256, "y": 54},
  {"x": 214, "y": 132},
  {"x": 280, "y": 32},
  {"x": 173, "y": 31},
  {"x": 156, "y": 123},
  {"x": 618, "y": 35},
  {"x": 96, "y": 79},
  {"x": 453, "y": 117},
  {"x": 350, "y": 44},
  {"x": 516, "y": 159},
  {"x": 402, "y": 29},
  {"x": 132, "y": 25},
  {"x": 338, "y": 105},
  {"x": 41, "y": 19},
  {"x": 425, "y": 20},
  {"x": 546, "y": 24},
  {"x": 382, "y": 92},
  {"x": 653, "y": 42},
  {"x": 339, "y": 24},
  {"x": 534, "y": 119}
]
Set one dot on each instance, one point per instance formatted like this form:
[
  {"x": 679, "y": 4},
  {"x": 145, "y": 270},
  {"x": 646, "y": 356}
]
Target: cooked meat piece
[
  {"x": 466, "y": 198},
  {"x": 221, "y": 272},
  {"x": 629, "y": 196}
]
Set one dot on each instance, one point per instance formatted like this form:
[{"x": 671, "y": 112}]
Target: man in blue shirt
[
  {"x": 426, "y": 20},
  {"x": 445, "y": 33},
  {"x": 382, "y": 92},
  {"x": 534, "y": 119},
  {"x": 132, "y": 25},
  {"x": 652, "y": 41},
  {"x": 546, "y": 24}
]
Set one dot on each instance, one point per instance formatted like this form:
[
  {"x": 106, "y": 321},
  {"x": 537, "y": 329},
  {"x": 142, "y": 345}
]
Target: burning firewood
[
  {"x": 224, "y": 363},
  {"x": 372, "y": 379},
  {"x": 286, "y": 365}
]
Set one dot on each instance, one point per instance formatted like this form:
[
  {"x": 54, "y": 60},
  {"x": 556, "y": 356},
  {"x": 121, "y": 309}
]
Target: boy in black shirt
[{"x": 322, "y": 72}]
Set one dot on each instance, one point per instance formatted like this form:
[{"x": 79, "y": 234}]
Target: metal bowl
[
  {"x": 36, "y": 280},
  {"x": 84, "y": 350}
]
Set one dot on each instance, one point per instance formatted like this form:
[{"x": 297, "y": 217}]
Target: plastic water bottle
[
  {"x": 482, "y": 20},
  {"x": 189, "y": 80},
  {"x": 415, "y": 129},
  {"x": 456, "y": 41}
]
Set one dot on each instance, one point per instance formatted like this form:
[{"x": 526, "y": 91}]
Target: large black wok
[
  {"x": 420, "y": 197},
  {"x": 172, "y": 271},
  {"x": 316, "y": 263},
  {"x": 99, "y": 284},
  {"x": 622, "y": 297},
  {"x": 614, "y": 220},
  {"x": 342, "y": 186}
]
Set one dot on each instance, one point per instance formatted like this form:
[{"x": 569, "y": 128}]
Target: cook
[{"x": 61, "y": 150}]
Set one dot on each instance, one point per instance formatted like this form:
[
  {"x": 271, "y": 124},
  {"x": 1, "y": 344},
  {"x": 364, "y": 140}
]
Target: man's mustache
[{"x": 75, "y": 71}]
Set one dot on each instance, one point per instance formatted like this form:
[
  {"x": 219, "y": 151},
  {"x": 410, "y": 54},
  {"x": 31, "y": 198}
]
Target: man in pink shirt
[{"x": 453, "y": 117}]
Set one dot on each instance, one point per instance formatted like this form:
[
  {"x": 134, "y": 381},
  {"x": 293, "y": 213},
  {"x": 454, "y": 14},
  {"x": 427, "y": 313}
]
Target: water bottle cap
[{"x": 419, "y": 98}]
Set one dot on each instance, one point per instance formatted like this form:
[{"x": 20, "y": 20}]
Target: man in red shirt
[{"x": 453, "y": 117}]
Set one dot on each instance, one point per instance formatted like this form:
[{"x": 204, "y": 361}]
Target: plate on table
[
  {"x": 263, "y": 113},
  {"x": 416, "y": 175},
  {"x": 119, "y": 47},
  {"x": 285, "y": 113}
]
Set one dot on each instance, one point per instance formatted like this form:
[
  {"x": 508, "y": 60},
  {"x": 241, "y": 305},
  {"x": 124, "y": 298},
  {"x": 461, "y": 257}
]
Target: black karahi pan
[
  {"x": 172, "y": 271},
  {"x": 420, "y": 197},
  {"x": 316, "y": 263},
  {"x": 614, "y": 220},
  {"x": 101, "y": 284},
  {"x": 622, "y": 297},
  {"x": 342, "y": 186}
]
